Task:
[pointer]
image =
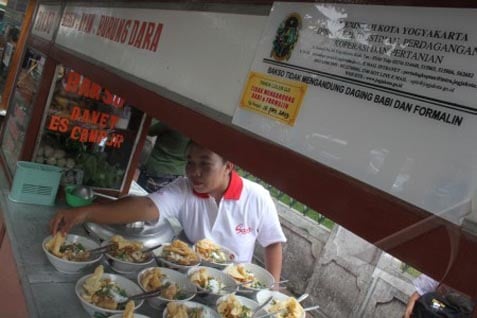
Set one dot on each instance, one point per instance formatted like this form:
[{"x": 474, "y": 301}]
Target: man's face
[{"x": 206, "y": 170}]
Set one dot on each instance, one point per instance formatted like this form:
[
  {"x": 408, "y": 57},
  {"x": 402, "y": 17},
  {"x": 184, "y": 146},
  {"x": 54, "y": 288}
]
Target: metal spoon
[
  {"x": 256, "y": 310},
  {"x": 302, "y": 297}
]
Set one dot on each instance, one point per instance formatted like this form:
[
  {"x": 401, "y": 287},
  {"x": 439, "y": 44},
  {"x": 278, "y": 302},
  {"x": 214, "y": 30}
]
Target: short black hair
[{"x": 193, "y": 143}]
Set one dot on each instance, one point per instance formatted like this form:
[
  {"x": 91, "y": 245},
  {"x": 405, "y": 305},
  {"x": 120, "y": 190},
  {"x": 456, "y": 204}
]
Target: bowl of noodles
[
  {"x": 127, "y": 256},
  {"x": 69, "y": 254},
  {"x": 177, "y": 255},
  {"x": 172, "y": 284},
  {"x": 233, "y": 306},
  {"x": 251, "y": 276},
  {"x": 213, "y": 255},
  {"x": 188, "y": 309},
  {"x": 128, "y": 312},
  {"x": 102, "y": 294},
  {"x": 211, "y": 283},
  {"x": 284, "y": 305}
]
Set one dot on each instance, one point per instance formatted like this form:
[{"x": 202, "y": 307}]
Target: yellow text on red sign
[{"x": 273, "y": 97}]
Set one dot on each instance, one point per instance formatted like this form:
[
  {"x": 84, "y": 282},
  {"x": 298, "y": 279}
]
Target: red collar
[{"x": 234, "y": 190}]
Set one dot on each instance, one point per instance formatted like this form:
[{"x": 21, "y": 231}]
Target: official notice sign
[
  {"x": 390, "y": 97},
  {"x": 273, "y": 97}
]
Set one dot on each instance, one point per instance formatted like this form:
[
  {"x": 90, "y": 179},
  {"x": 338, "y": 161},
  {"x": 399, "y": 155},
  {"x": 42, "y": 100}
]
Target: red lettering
[
  {"x": 75, "y": 113},
  {"x": 100, "y": 30},
  {"x": 94, "y": 91},
  {"x": 113, "y": 121},
  {"x": 155, "y": 40},
  {"x": 103, "y": 120},
  {"x": 147, "y": 37},
  {"x": 140, "y": 35},
  {"x": 85, "y": 85},
  {"x": 134, "y": 32},
  {"x": 75, "y": 132},
  {"x": 124, "y": 35},
  {"x": 54, "y": 123},
  {"x": 73, "y": 82},
  {"x": 107, "y": 97}
]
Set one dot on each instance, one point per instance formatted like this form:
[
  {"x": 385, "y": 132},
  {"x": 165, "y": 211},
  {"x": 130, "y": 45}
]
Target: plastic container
[
  {"x": 73, "y": 200},
  {"x": 35, "y": 183}
]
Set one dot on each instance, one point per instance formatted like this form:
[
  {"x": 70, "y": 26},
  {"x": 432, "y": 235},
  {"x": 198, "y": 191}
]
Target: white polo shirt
[{"x": 246, "y": 213}]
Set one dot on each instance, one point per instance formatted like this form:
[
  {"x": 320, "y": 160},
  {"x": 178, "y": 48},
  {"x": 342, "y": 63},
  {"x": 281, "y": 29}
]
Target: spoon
[
  {"x": 122, "y": 299},
  {"x": 87, "y": 193},
  {"x": 256, "y": 310},
  {"x": 302, "y": 297}
]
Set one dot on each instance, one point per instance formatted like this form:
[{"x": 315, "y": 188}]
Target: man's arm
[
  {"x": 122, "y": 211},
  {"x": 273, "y": 259},
  {"x": 410, "y": 304}
]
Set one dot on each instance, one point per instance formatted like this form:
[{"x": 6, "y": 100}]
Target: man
[
  {"x": 167, "y": 159},
  {"x": 212, "y": 202},
  {"x": 434, "y": 300}
]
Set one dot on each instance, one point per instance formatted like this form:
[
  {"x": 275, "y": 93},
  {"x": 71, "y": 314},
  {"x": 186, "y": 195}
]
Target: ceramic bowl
[
  {"x": 124, "y": 267},
  {"x": 210, "y": 298},
  {"x": 264, "y": 294},
  {"x": 247, "y": 302},
  {"x": 185, "y": 286},
  {"x": 220, "y": 265},
  {"x": 206, "y": 313},
  {"x": 130, "y": 287},
  {"x": 134, "y": 316},
  {"x": 261, "y": 275},
  {"x": 158, "y": 252},
  {"x": 72, "y": 267}
]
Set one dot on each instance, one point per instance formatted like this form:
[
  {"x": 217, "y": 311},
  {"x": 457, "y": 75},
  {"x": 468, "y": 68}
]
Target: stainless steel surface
[
  {"x": 48, "y": 293},
  {"x": 139, "y": 231}
]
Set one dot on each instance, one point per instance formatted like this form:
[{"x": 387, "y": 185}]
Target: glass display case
[{"x": 88, "y": 131}]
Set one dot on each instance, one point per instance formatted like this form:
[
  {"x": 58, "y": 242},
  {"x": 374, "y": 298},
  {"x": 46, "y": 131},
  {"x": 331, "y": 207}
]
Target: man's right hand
[{"x": 65, "y": 219}]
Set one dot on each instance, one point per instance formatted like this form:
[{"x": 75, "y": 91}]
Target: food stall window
[
  {"x": 21, "y": 105},
  {"x": 89, "y": 131}
]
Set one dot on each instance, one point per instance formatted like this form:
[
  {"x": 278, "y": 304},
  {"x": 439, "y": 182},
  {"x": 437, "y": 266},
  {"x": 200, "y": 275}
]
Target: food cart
[{"x": 190, "y": 67}]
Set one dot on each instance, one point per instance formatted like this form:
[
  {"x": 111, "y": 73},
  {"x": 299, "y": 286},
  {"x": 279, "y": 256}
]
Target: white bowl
[
  {"x": 207, "y": 313},
  {"x": 124, "y": 267},
  {"x": 182, "y": 268},
  {"x": 205, "y": 262},
  {"x": 207, "y": 296},
  {"x": 260, "y": 273},
  {"x": 71, "y": 267},
  {"x": 247, "y": 302},
  {"x": 264, "y": 294},
  {"x": 178, "y": 278},
  {"x": 134, "y": 316},
  {"x": 94, "y": 311}
]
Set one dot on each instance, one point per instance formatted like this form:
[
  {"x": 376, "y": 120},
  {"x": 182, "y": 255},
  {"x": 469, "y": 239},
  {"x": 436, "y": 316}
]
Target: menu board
[
  {"x": 88, "y": 131},
  {"x": 389, "y": 96},
  {"x": 19, "y": 112}
]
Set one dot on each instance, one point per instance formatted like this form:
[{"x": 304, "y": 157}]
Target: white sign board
[
  {"x": 204, "y": 56},
  {"x": 391, "y": 96},
  {"x": 46, "y": 21}
]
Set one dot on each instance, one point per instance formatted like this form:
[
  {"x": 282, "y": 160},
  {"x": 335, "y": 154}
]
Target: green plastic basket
[{"x": 35, "y": 183}]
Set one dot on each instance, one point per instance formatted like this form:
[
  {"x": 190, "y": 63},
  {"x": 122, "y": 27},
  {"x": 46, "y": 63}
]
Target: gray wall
[{"x": 344, "y": 274}]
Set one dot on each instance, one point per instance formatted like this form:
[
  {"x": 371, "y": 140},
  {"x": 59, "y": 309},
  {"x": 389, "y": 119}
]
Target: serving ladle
[{"x": 87, "y": 193}]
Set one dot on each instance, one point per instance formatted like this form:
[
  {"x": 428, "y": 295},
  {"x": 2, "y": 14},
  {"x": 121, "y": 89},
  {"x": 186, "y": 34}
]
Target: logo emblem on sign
[{"x": 286, "y": 37}]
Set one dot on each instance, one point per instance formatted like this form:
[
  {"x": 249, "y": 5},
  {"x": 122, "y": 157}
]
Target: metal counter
[{"x": 48, "y": 293}]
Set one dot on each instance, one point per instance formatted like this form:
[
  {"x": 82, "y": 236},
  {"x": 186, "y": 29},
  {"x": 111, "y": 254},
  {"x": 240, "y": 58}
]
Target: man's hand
[{"x": 65, "y": 219}]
